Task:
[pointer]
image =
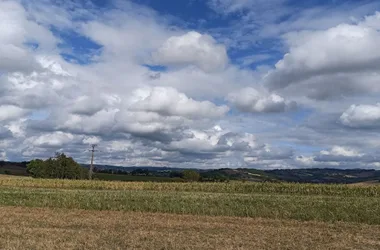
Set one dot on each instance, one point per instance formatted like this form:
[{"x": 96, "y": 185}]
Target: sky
[{"x": 265, "y": 84}]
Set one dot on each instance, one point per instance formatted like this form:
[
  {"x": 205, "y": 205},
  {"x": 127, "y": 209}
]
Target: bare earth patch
[{"x": 42, "y": 228}]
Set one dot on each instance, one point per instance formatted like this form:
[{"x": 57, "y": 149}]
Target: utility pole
[{"x": 92, "y": 161}]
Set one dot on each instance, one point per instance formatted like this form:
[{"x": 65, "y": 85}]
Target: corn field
[
  {"x": 329, "y": 203},
  {"x": 232, "y": 187}
]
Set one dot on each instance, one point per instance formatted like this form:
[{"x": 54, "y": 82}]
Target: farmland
[{"x": 228, "y": 215}]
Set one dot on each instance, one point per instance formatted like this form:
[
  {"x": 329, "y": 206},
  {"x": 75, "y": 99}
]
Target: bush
[
  {"x": 191, "y": 175},
  {"x": 60, "y": 167}
]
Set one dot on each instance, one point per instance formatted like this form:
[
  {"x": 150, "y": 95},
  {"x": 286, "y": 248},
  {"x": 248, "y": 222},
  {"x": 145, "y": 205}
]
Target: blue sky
[{"x": 247, "y": 83}]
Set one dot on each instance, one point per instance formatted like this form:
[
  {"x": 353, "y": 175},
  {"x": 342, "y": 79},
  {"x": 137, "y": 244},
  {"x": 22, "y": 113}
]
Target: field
[{"x": 147, "y": 215}]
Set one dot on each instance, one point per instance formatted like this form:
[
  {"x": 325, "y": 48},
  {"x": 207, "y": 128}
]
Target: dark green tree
[
  {"x": 37, "y": 168},
  {"x": 61, "y": 167}
]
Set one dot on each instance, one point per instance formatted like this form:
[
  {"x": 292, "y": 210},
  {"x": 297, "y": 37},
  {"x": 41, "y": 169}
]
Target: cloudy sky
[{"x": 192, "y": 83}]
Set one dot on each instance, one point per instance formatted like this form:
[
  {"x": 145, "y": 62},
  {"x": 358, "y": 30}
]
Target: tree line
[{"x": 64, "y": 167}]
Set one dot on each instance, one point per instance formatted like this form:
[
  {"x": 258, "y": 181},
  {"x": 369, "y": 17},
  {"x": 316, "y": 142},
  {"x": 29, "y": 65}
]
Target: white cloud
[
  {"x": 341, "y": 151},
  {"x": 3, "y": 156},
  {"x": 128, "y": 34},
  {"x": 251, "y": 100},
  {"x": 361, "y": 116},
  {"x": 215, "y": 142},
  {"x": 15, "y": 31},
  {"x": 146, "y": 123},
  {"x": 305, "y": 161},
  {"x": 86, "y": 105},
  {"x": 345, "y": 54},
  {"x": 338, "y": 157},
  {"x": 101, "y": 122},
  {"x": 9, "y": 112},
  {"x": 157, "y": 113},
  {"x": 192, "y": 48},
  {"x": 230, "y": 6},
  {"x": 373, "y": 21},
  {"x": 56, "y": 139},
  {"x": 169, "y": 102},
  {"x": 13, "y": 55},
  {"x": 91, "y": 140},
  {"x": 196, "y": 82}
]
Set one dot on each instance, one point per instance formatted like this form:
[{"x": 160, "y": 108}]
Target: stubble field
[{"x": 57, "y": 214}]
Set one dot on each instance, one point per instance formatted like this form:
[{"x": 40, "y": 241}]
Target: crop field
[{"x": 151, "y": 215}]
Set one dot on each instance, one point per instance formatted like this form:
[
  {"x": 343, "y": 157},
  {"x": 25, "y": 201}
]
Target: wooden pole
[{"x": 92, "y": 161}]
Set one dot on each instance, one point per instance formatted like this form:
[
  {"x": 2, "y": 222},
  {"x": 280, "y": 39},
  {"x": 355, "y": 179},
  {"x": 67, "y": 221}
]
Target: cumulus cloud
[
  {"x": 86, "y": 105},
  {"x": 55, "y": 139},
  {"x": 120, "y": 34},
  {"x": 251, "y": 100},
  {"x": 169, "y": 102},
  {"x": 305, "y": 161},
  {"x": 361, "y": 116},
  {"x": 162, "y": 113},
  {"x": 215, "y": 144},
  {"x": 91, "y": 140},
  {"x": 16, "y": 32},
  {"x": 192, "y": 48},
  {"x": 341, "y": 151},
  {"x": 339, "y": 157},
  {"x": 373, "y": 21},
  {"x": 155, "y": 113},
  {"x": 13, "y": 55},
  {"x": 149, "y": 125},
  {"x": 3, "y": 156},
  {"x": 214, "y": 141},
  {"x": 9, "y": 112},
  {"x": 341, "y": 55},
  {"x": 269, "y": 152}
]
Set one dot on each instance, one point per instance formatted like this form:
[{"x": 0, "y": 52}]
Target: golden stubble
[{"x": 43, "y": 228}]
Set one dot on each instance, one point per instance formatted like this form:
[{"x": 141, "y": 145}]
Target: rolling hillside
[{"x": 149, "y": 173}]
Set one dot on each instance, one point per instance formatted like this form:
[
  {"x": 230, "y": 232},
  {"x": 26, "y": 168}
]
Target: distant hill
[
  {"x": 326, "y": 175},
  {"x": 13, "y": 168},
  {"x": 321, "y": 175},
  {"x": 131, "y": 168},
  {"x": 239, "y": 174}
]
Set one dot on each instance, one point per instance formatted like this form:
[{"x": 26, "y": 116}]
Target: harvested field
[{"x": 41, "y": 228}]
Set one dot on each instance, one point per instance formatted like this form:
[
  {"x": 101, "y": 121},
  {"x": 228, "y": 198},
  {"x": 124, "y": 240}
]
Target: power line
[{"x": 92, "y": 161}]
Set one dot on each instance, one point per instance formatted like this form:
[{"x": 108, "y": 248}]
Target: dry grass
[
  {"x": 366, "y": 183},
  {"x": 15, "y": 177},
  {"x": 41, "y": 228}
]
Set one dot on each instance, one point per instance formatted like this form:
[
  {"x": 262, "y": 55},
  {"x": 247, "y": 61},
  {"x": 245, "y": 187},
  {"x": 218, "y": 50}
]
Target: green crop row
[{"x": 232, "y": 187}]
